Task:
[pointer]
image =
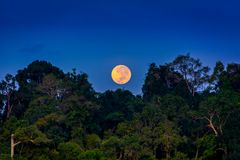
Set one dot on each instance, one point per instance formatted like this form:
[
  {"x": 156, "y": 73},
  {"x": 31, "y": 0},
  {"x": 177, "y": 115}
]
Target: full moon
[{"x": 121, "y": 74}]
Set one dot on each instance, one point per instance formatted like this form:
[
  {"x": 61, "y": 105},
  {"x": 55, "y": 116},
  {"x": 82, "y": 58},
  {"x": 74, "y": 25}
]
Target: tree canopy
[{"x": 185, "y": 112}]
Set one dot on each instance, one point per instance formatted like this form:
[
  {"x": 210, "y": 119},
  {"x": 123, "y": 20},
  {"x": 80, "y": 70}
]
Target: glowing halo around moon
[{"x": 121, "y": 74}]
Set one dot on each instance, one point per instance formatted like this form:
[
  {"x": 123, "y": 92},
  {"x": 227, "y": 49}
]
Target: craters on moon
[{"x": 121, "y": 74}]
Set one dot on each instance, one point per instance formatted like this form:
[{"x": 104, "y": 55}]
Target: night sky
[{"x": 95, "y": 35}]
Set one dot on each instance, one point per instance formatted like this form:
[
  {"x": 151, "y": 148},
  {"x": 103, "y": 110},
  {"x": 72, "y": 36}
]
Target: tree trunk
[
  {"x": 8, "y": 105},
  {"x": 12, "y": 146},
  {"x": 168, "y": 152},
  {"x": 212, "y": 126},
  {"x": 196, "y": 156},
  {"x": 168, "y": 155}
]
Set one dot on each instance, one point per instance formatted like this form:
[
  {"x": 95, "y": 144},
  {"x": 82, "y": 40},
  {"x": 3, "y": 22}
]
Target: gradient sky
[{"x": 95, "y": 35}]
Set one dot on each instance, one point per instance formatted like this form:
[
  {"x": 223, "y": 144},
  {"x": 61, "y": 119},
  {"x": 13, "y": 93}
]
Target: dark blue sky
[{"x": 95, "y": 35}]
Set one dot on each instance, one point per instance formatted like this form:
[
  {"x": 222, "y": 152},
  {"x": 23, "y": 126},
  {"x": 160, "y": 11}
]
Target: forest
[{"x": 186, "y": 111}]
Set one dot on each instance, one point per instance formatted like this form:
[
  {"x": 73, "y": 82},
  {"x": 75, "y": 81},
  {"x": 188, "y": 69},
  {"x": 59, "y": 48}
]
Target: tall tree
[
  {"x": 117, "y": 106},
  {"x": 231, "y": 136},
  {"x": 216, "y": 78},
  {"x": 169, "y": 137},
  {"x": 159, "y": 81},
  {"x": 193, "y": 72},
  {"x": 34, "y": 73},
  {"x": 79, "y": 84},
  {"x": 216, "y": 110},
  {"x": 233, "y": 71},
  {"x": 25, "y": 135},
  {"x": 30, "y": 77},
  {"x": 7, "y": 89}
]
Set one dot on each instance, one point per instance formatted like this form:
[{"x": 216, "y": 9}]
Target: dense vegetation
[{"x": 185, "y": 112}]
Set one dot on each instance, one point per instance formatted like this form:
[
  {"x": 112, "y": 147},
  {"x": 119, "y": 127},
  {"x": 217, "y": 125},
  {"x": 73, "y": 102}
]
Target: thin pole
[{"x": 12, "y": 146}]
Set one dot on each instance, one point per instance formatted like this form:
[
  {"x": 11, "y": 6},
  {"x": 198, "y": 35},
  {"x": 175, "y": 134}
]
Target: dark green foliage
[
  {"x": 194, "y": 74},
  {"x": 184, "y": 114},
  {"x": 28, "y": 80},
  {"x": 92, "y": 155},
  {"x": 39, "y": 108},
  {"x": 117, "y": 106},
  {"x": 231, "y": 135},
  {"x": 160, "y": 81},
  {"x": 35, "y": 72},
  {"x": 79, "y": 84},
  {"x": 92, "y": 141},
  {"x": 8, "y": 97},
  {"x": 69, "y": 150},
  {"x": 233, "y": 73}
]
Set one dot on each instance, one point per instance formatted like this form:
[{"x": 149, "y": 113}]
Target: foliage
[
  {"x": 68, "y": 150},
  {"x": 92, "y": 155},
  {"x": 184, "y": 113}
]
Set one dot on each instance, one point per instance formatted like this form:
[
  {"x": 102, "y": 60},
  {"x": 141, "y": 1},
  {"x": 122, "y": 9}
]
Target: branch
[
  {"x": 210, "y": 123},
  {"x": 17, "y": 143},
  {"x": 23, "y": 142},
  {"x": 222, "y": 149},
  {"x": 224, "y": 122}
]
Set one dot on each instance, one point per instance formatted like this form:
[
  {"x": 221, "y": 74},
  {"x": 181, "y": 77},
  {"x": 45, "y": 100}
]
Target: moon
[{"x": 121, "y": 74}]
